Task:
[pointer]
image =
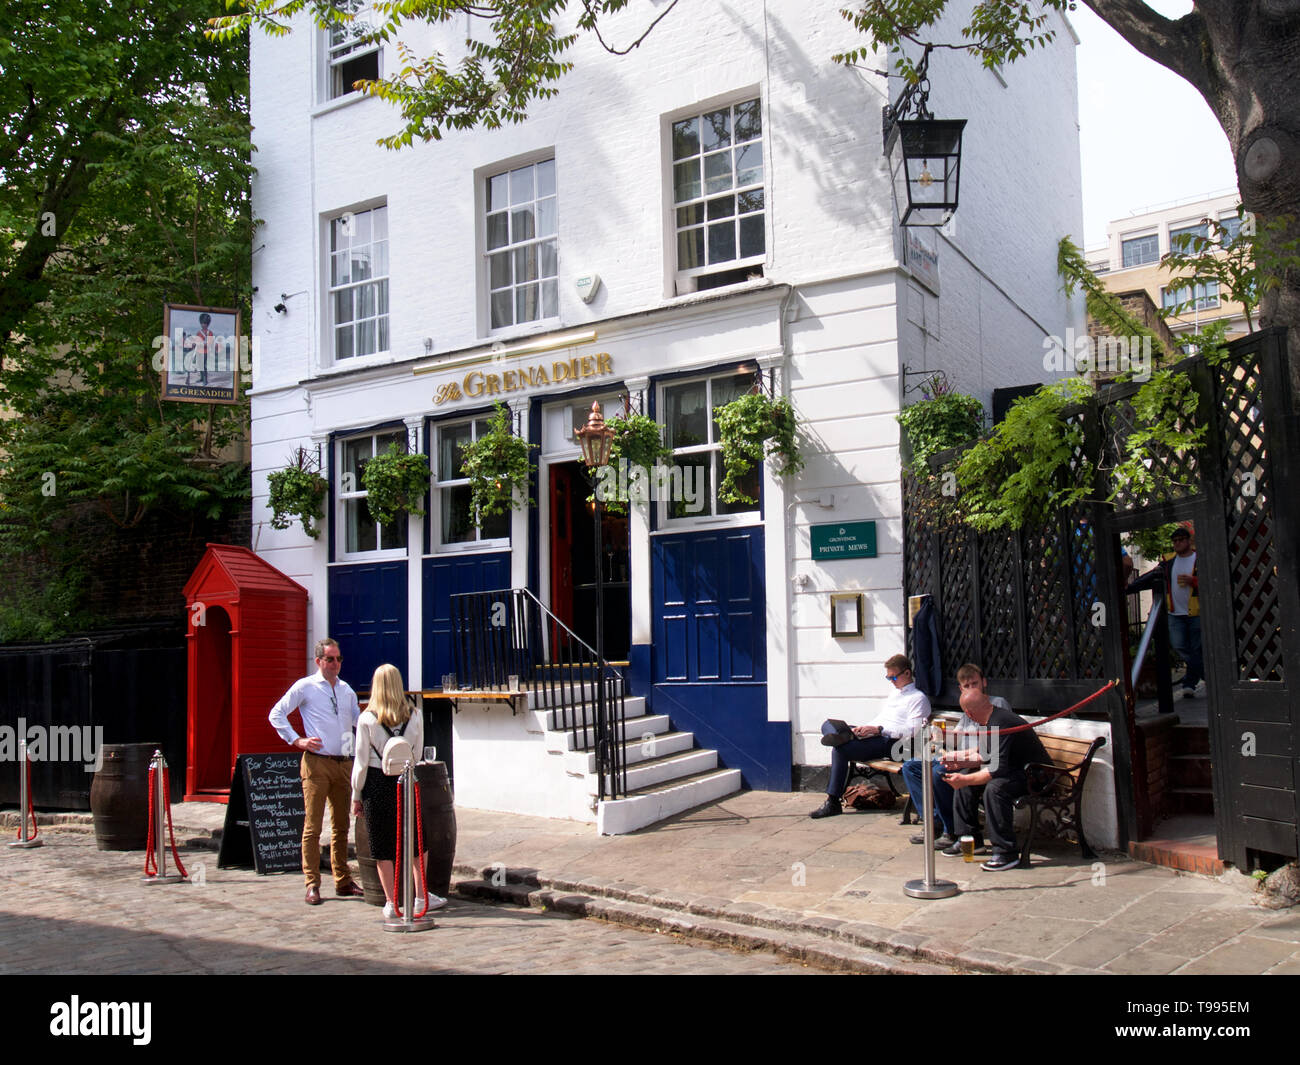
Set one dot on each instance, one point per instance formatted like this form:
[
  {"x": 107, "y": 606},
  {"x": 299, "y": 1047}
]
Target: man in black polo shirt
[{"x": 1004, "y": 779}]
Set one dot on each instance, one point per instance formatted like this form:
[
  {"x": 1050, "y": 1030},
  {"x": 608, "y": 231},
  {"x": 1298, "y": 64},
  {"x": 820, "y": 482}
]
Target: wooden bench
[
  {"x": 1058, "y": 789},
  {"x": 892, "y": 771}
]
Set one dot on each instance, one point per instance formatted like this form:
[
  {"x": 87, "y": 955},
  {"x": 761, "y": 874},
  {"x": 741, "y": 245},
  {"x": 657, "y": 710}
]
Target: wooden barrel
[
  {"x": 369, "y": 875},
  {"x": 119, "y": 797},
  {"x": 438, "y": 812}
]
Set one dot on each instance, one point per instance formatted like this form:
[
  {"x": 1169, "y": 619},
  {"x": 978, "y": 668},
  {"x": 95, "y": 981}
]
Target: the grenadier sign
[{"x": 478, "y": 383}]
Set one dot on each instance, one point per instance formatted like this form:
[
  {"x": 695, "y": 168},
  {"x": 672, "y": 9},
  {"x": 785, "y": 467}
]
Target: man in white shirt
[
  {"x": 329, "y": 712},
  {"x": 906, "y": 710}
]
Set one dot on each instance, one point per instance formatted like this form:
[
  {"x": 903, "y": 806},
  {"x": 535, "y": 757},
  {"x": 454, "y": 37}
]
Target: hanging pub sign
[{"x": 200, "y": 349}]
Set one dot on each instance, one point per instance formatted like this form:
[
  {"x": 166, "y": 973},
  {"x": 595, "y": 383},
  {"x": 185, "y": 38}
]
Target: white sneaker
[
  {"x": 436, "y": 902},
  {"x": 390, "y": 912}
]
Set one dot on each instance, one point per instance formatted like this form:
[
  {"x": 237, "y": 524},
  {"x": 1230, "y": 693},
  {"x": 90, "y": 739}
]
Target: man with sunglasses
[
  {"x": 329, "y": 714},
  {"x": 906, "y": 710}
]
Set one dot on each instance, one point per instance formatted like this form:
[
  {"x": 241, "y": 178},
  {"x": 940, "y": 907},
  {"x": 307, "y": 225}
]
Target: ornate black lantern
[{"x": 924, "y": 156}]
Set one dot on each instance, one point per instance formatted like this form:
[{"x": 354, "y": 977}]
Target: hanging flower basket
[
  {"x": 396, "y": 483},
  {"x": 752, "y": 428},
  {"x": 298, "y": 491},
  {"x": 498, "y": 468}
]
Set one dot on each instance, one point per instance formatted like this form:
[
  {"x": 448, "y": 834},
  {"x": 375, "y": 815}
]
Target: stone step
[
  {"x": 671, "y": 767},
  {"x": 640, "y": 749},
  {"x": 550, "y": 720},
  {"x": 650, "y": 804},
  {"x": 1190, "y": 771},
  {"x": 1191, "y": 800},
  {"x": 1190, "y": 739},
  {"x": 581, "y": 739}
]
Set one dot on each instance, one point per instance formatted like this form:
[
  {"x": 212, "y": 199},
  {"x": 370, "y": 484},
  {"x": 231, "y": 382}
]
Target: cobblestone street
[{"x": 70, "y": 908}]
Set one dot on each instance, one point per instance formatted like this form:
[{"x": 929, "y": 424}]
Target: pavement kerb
[{"x": 850, "y": 945}]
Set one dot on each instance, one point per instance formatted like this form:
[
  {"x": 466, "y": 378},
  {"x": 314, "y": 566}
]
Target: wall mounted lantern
[{"x": 924, "y": 155}]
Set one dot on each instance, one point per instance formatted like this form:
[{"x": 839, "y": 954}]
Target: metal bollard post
[
  {"x": 929, "y": 888},
  {"x": 160, "y": 800},
  {"x": 408, "y": 922},
  {"x": 24, "y": 841}
]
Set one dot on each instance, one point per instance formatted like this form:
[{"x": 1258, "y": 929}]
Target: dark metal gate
[{"x": 1042, "y": 611}]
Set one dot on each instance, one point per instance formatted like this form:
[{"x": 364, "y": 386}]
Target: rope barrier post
[
  {"x": 929, "y": 887},
  {"x": 407, "y": 812},
  {"x": 160, "y": 818},
  {"x": 25, "y": 805}
]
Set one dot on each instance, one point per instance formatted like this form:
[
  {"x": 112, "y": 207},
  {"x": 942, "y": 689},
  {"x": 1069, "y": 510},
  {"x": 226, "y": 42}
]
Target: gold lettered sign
[{"x": 479, "y": 383}]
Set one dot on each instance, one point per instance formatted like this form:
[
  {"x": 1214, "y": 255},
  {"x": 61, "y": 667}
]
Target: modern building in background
[
  {"x": 1130, "y": 261},
  {"x": 708, "y": 213}
]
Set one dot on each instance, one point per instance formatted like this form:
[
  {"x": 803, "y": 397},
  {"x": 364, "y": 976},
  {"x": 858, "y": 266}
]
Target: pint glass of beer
[{"x": 968, "y": 848}]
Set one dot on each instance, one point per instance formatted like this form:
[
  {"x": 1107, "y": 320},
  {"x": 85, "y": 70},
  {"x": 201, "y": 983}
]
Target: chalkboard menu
[{"x": 265, "y": 814}]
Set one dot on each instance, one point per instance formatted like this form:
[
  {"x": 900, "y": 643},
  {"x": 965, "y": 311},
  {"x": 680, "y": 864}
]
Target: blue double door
[{"x": 709, "y": 653}]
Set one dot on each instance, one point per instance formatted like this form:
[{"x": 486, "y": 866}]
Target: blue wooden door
[
  {"x": 709, "y": 652},
  {"x": 368, "y": 616}
]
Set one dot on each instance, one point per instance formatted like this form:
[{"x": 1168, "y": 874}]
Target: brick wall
[
  {"x": 137, "y": 574},
  {"x": 1157, "y": 736}
]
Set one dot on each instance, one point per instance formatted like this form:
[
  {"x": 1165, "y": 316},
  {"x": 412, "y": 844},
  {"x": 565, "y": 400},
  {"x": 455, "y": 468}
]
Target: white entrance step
[{"x": 616, "y": 817}]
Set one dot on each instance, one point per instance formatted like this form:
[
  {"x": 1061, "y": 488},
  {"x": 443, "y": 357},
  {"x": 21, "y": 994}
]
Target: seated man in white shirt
[
  {"x": 329, "y": 714},
  {"x": 905, "y": 711}
]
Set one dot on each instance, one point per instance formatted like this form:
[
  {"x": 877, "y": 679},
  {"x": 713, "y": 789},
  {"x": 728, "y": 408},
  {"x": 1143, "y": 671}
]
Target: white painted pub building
[{"x": 727, "y": 186}]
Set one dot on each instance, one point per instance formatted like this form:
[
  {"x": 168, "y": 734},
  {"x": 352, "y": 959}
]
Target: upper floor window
[
  {"x": 358, "y": 290},
  {"x": 351, "y": 57},
  {"x": 1231, "y": 226},
  {"x": 691, "y": 431},
  {"x": 522, "y": 256},
  {"x": 1182, "y": 238},
  {"x": 718, "y": 195},
  {"x": 456, "y": 521},
  {"x": 361, "y": 533},
  {"x": 1138, "y": 251},
  {"x": 1186, "y": 298}
]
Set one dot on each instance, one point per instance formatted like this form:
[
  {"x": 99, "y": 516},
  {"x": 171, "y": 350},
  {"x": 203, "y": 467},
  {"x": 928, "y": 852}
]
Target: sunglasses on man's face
[{"x": 331, "y": 658}]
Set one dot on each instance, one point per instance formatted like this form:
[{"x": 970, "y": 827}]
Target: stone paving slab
[{"x": 756, "y": 858}]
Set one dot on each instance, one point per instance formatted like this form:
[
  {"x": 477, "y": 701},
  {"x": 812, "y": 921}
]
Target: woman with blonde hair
[{"x": 373, "y": 792}]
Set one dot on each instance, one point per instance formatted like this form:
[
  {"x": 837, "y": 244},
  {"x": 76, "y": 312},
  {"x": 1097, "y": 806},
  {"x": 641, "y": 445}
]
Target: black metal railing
[{"x": 509, "y": 632}]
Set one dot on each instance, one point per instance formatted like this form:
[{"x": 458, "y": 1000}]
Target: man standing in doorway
[
  {"x": 1181, "y": 585},
  {"x": 329, "y": 714}
]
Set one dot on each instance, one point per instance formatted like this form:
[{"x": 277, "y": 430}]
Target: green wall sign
[{"x": 849, "y": 539}]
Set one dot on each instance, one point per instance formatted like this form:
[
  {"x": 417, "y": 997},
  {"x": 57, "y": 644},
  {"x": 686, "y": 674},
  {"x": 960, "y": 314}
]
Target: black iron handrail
[{"x": 508, "y": 632}]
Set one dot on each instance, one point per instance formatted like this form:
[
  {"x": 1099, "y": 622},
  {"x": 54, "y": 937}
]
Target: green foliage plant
[
  {"x": 1104, "y": 307},
  {"x": 943, "y": 420},
  {"x": 298, "y": 491},
  {"x": 638, "y": 441},
  {"x": 1021, "y": 472},
  {"x": 396, "y": 483},
  {"x": 1164, "y": 409},
  {"x": 751, "y": 428},
  {"x": 498, "y": 468},
  {"x": 1151, "y": 543}
]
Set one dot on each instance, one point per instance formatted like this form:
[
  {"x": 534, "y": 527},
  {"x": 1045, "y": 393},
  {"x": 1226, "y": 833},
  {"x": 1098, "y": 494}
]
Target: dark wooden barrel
[
  {"x": 438, "y": 812},
  {"x": 119, "y": 797},
  {"x": 369, "y": 876}
]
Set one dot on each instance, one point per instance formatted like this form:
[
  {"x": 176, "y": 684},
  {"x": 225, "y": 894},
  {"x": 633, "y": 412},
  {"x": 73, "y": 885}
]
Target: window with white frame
[
  {"x": 1138, "y": 251},
  {"x": 691, "y": 431},
  {"x": 358, "y": 288},
  {"x": 457, "y": 524},
  {"x": 1185, "y": 298},
  {"x": 1183, "y": 238},
  {"x": 361, "y": 533},
  {"x": 719, "y": 203},
  {"x": 352, "y": 54},
  {"x": 521, "y": 245}
]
